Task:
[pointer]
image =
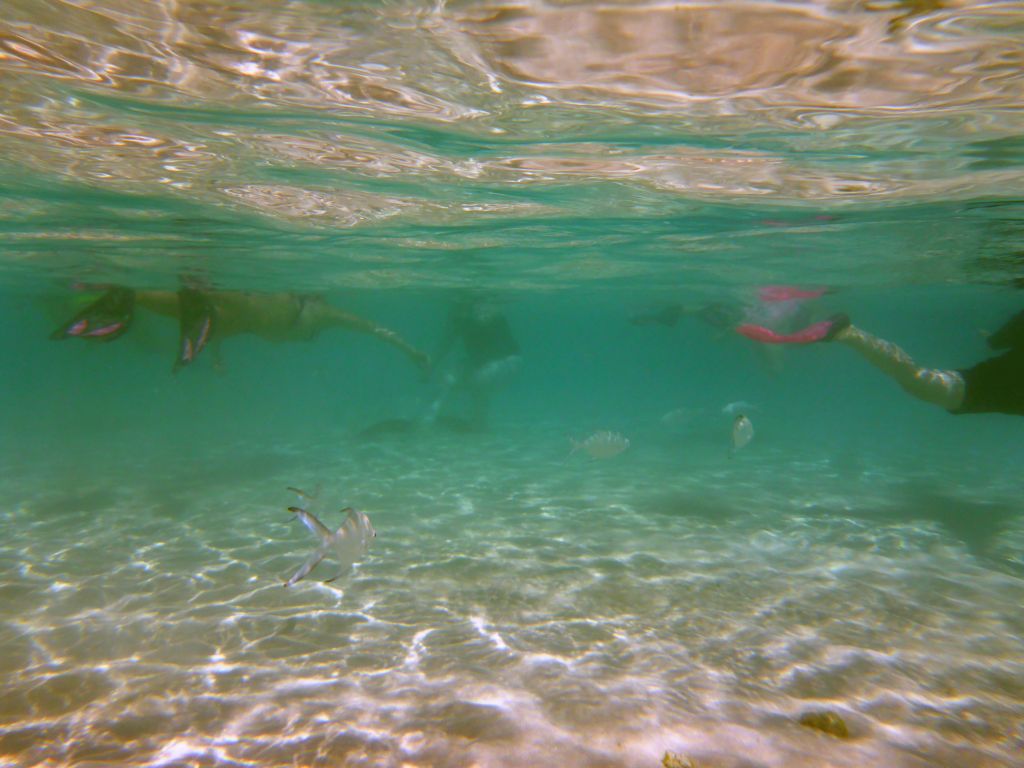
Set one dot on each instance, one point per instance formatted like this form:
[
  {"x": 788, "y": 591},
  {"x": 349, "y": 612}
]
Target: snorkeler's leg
[
  {"x": 944, "y": 388},
  {"x": 318, "y": 315},
  {"x": 196, "y": 322},
  {"x": 104, "y": 320},
  {"x": 161, "y": 302}
]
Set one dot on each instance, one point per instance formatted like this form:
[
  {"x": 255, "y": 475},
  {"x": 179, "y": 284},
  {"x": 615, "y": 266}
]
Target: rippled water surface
[
  {"x": 409, "y": 143},
  {"x": 524, "y": 604}
]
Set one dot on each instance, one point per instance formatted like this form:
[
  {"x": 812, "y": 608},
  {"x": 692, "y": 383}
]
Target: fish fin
[
  {"x": 318, "y": 529},
  {"x": 351, "y": 525},
  {"x": 311, "y": 562}
]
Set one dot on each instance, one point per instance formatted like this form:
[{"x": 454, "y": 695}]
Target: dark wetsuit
[
  {"x": 996, "y": 385},
  {"x": 491, "y": 355},
  {"x": 486, "y": 338}
]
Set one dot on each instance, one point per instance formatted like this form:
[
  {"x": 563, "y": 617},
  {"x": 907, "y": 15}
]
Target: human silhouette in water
[
  {"x": 209, "y": 316},
  {"x": 490, "y": 357},
  {"x": 995, "y": 385},
  {"x": 781, "y": 308}
]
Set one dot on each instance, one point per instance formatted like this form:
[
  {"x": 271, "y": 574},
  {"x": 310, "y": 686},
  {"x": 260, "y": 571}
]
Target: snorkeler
[
  {"x": 775, "y": 306},
  {"x": 995, "y": 385},
  {"x": 781, "y": 308},
  {"x": 208, "y": 315},
  {"x": 490, "y": 355}
]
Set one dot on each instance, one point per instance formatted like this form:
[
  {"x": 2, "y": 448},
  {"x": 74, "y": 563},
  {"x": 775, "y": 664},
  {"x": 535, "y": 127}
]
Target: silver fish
[
  {"x": 742, "y": 433},
  {"x": 349, "y": 543},
  {"x": 601, "y": 445}
]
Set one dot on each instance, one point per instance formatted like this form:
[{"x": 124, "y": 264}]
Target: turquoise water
[{"x": 523, "y": 604}]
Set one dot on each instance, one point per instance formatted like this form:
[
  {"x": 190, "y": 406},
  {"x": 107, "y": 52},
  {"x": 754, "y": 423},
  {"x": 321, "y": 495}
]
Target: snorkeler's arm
[{"x": 358, "y": 324}]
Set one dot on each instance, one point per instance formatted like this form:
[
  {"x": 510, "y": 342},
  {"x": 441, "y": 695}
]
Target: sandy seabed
[{"x": 519, "y": 607}]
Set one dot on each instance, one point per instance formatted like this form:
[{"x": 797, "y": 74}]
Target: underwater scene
[{"x": 507, "y": 383}]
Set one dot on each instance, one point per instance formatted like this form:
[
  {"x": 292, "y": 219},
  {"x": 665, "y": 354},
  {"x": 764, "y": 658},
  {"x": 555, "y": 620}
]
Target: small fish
[
  {"x": 742, "y": 433},
  {"x": 601, "y": 445},
  {"x": 349, "y": 543}
]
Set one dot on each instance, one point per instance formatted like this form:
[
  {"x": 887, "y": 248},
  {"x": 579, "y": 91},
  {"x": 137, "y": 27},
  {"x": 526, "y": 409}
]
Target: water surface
[{"x": 580, "y": 162}]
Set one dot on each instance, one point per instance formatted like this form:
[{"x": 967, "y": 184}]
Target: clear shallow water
[
  {"x": 520, "y": 606},
  {"x": 516, "y": 608}
]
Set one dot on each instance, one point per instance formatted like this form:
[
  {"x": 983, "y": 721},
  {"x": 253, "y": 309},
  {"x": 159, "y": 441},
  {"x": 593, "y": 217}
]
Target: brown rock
[{"x": 827, "y": 721}]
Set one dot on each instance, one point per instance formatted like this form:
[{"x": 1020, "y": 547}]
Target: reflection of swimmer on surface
[
  {"x": 490, "y": 356},
  {"x": 995, "y": 385},
  {"x": 210, "y": 316},
  {"x": 781, "y": 308}
]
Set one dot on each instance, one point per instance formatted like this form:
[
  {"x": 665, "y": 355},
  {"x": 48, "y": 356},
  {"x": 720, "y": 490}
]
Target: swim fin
[
  {"x": 196, "y": 321},
  {"x": 104, "y": 320},
  {"x": 826, "y": 330}
]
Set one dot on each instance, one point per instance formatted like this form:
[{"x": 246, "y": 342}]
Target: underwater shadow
[
  {"x": 398, "y": 427},
  {"x": 676, "y": 504},
  {"x": 978, "y": 524},
  {"x": 174, "y": 486},
  {"x": 75, "y": 502}
]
